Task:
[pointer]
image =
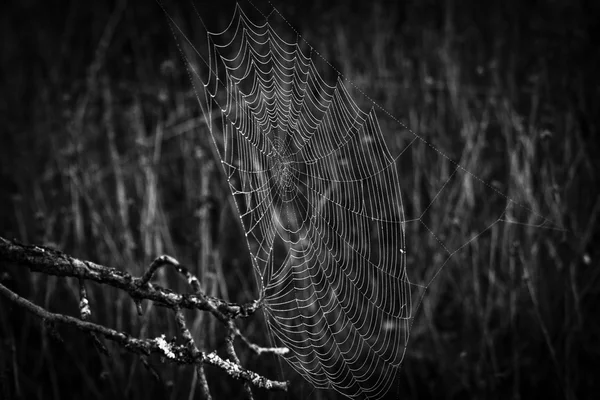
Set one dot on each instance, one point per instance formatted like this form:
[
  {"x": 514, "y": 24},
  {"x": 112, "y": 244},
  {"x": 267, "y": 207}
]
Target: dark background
[{"x": 103, "y": 157}]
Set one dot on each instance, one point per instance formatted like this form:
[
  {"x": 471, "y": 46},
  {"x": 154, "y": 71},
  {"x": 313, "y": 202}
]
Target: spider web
[{"x": 318, "y": 195}]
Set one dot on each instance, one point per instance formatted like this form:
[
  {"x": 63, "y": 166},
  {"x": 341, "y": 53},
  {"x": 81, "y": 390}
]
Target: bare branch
[
  {"x": 259, "y": 350},
  {"x": 168, "y": 260},
  {"x": 53, "y": 262}
]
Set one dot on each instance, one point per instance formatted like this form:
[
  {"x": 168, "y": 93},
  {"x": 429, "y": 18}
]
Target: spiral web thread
[{"x": 318, "y": 195}]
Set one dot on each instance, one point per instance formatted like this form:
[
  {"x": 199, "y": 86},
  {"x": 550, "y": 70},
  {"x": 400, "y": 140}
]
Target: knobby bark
[{"x": 53, "y": 262}]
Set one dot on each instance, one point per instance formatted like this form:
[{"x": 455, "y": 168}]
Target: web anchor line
[
  {"x": 317, "y": 191},
  {"x": 416, "y": 135}
]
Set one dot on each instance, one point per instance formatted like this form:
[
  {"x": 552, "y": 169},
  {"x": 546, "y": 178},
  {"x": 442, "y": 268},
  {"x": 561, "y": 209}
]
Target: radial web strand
[{"x": 318, "y": 195}]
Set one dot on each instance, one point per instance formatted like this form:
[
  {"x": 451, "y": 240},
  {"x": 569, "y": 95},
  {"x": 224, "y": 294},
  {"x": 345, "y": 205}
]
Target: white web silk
[{"x": 318, "y": 195}]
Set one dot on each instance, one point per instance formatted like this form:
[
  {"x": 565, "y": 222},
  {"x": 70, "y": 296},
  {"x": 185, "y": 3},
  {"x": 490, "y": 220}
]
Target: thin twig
[
  {"x": 165, "y": 261},
  {"x": 53, "y": 262},
  {"x": 171, "y": 352},
  {"x": 233, "y": 356}
]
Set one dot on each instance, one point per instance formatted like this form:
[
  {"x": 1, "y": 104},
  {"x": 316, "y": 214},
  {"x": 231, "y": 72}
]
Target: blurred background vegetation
[{"x": 103, "y": 155}]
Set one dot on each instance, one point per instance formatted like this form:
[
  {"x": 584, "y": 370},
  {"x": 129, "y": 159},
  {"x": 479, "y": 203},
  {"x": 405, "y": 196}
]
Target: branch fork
[{"x": 53, "y": 262}]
